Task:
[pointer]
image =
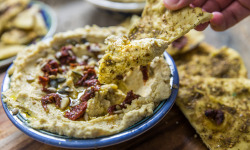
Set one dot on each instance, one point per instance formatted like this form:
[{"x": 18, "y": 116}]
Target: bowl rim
[{"x": 117, "y": 138}]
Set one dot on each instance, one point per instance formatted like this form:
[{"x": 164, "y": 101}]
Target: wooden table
[{"x": 174, "y": 132}]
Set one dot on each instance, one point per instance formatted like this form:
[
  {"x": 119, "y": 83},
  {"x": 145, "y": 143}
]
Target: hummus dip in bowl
[{"x": 52, "y": 92}]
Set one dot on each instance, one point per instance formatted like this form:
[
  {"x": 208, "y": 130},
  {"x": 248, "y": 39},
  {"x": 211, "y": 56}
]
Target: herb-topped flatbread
[
  {"x": 206, "y": 61},
  {"x": 185, "y": 43},
  {"x": 158, "y": 22},
  {"x": 159, "y": 26},
  {"x": 218, "y": 109}
]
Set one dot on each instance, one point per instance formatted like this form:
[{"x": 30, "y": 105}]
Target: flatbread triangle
[{"x": 148, "y": 39}]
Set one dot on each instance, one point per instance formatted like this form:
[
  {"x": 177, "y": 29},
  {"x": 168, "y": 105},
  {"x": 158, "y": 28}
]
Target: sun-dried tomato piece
[
  {"x": 91, "y": 73},
  {"x": 51, "y": 68},
  {"x": 128, "y": 100},
  {"x": 81, "y": 80},
  {"x": 144, "y": 71},
  {"x": 111, "y": 109},
  {"x": 91, "y": 82},
  {"x": 216, "y": 115},
  {"x": 88, "y": 79},
  {"x": 88, "y": 94},
  {"x": 130, "y": 96},
  {"x": 180, "y": 43},
  {"x": 43, "y": 80},
  {"x": 51, "y": 98},
  {"x": 66, "y": 55},
  {"x": 76, "y": 111}
]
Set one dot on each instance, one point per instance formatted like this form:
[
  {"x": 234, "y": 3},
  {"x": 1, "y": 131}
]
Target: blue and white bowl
[{"x": 67, "y": 142}]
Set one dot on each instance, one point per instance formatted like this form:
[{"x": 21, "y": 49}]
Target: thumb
[{"x": 177, "y": 4}]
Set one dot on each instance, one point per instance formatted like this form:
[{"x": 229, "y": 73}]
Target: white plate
[{"x": 118, "y": 6}]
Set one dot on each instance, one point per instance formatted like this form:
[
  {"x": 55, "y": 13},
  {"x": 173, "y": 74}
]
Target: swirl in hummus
[{"x": 55, "y": 86}]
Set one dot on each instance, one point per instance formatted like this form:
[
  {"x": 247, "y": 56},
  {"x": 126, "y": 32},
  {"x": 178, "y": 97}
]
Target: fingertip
[
  {"x": 217, "y": 22},
  {"x": 217, "y": 18},
  {"x": 176, "y": 4},
  {"x": 171, "y": 4},
  {"x": 202, "y": 27}
]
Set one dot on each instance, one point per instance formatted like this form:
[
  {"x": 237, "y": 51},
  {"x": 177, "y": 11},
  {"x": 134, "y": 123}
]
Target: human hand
[{"x": 226, "y": 13}]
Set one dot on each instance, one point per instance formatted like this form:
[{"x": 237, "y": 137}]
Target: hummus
[{"x": 55, "y": 86}]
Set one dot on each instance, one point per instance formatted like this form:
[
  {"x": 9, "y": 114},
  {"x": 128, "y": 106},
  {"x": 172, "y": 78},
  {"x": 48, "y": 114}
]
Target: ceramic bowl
[{"x": 63, "y": 141}]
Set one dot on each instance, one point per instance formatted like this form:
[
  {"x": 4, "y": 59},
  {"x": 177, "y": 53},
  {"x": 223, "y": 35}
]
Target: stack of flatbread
[{"x": 20, "y": 25}]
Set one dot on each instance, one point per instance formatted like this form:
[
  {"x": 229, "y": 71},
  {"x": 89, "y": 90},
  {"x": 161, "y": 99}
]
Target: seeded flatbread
[
  {"x": 156, "y": 23},
  {"x": 218, "y": 109},
  {"x": 206, "y": 61},
  {"x": 186, "y": 43}
]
